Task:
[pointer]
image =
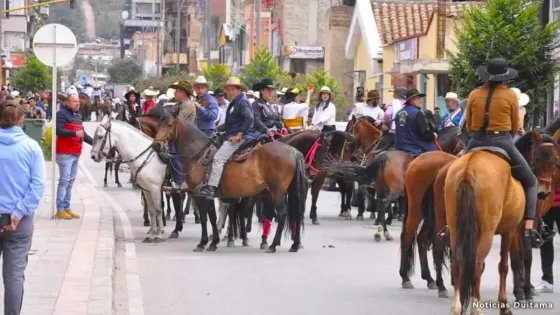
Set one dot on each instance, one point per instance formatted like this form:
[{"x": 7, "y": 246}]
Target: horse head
[
  {"x": 543, "y": 159},
  {"x": 167, "y": 131},
  {"x": 102, "y": 141}
]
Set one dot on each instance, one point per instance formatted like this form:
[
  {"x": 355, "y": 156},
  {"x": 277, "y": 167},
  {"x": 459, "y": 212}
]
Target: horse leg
[
  {"x": 187, "y": 209},
  {"x": 346, "y": 196},
  {"x": 410, "y": 225},
  {"x": 345, "y": 209},
  {"x": 145, "y": 205},
  {"x": 507, "y": 239},
  {"x": 516, "y": 257},
  {"x": 527, "y": 263},
  {"x": 242, "y": 215},
  {"x": 232, "y": 211},
  {"x": 108, "y": 165},
  {"x": 282, "y": 214},
  {"x": 423, "y": 244},
  {"x": 316, "y": 186},
  {"x": 223, "y": 209},
  {"x": 183, "y": 214},
  {"x": 361, "y": 200},
  {"x": 168, "y": 210},
  {"x": 215, "y": 234},
  {"x": 116, "y": 169},
  {"x": 204, "y": 205},
  {"x": 268, "y": 214},
  {"x": 178, "y": 214},
  {"x": 248, "y": 216},
  {"x": 162, "y": 206},
  {"x": 372, "y": 208},
  {"x": 196, "y": 212},
  {"x": 149, "y": 204}
]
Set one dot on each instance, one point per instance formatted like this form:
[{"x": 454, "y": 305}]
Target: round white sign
[{"x": 55, "y": 36}]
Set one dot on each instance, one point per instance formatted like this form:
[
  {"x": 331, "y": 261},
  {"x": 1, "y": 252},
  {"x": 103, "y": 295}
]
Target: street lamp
[{"x": 124, "y": 16}]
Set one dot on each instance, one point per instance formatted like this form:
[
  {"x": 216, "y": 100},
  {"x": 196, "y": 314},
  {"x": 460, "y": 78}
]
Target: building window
[
  {"x": 555, "y": 8},
  {"x": 17, "y": 4},
  {"x": 298, "y": 66},
  {"x": 14, "y": 41}
]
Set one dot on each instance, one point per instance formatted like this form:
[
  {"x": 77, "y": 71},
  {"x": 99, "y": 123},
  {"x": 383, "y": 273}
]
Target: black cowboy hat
[
  {"x": 400, "y": 91},
  {"x": 292, "y": 92},
  {"x": 413, "y": 93},
  {"x": 219, "y": 92},
  {"x": 264, "y": 84},
  {"x": 182, "y": 85},
  {"x": 127, "y": 95},
  {"x": 496, "y": 71}
]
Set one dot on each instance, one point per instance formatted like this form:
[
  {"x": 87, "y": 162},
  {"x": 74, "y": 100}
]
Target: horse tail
[
  {"x": 429, "y": 222},
  {"x": 411, "y": 250},
  {"x": 466, "y": 241},
  {"x": 297, "y": 194}
]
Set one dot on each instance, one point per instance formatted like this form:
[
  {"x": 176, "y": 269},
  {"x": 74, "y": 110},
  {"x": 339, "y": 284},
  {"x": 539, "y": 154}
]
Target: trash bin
[{"x": 34, "y": 128}]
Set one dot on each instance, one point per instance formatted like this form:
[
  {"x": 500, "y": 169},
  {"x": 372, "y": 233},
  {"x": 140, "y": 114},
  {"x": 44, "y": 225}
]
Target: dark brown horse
[
  {"x": 275, "y": 166},
  {"x": 85, "y": 106}
]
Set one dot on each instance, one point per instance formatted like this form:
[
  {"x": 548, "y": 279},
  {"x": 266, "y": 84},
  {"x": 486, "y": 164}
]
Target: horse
[
  {"x": 483, "y": 199},
  {"x": 274, "y": 166},
  {"x": 146, "y": 168},
  {"x": 85, "y": 106}
]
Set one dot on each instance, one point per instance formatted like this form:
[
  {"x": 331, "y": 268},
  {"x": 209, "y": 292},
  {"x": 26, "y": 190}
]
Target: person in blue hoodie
[{"x": 23, "y": 183}]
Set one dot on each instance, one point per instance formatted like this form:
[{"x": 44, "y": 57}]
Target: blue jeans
[
  {"x": 176, "y": 166},
  {"x": 68, "y": 167}
]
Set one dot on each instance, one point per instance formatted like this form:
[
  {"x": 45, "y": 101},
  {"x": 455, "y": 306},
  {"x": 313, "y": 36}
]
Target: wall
[
  {"x": 304, "y": 22},
  {"x": 250, "y": 17},
  {"x": 388, "y": 57}
]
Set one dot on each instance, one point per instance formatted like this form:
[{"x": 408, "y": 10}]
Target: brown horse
[
  {"x": 85, "y": 106},
  {"x": 483, "y": 199},
  {"x": 275, "y": 167}
]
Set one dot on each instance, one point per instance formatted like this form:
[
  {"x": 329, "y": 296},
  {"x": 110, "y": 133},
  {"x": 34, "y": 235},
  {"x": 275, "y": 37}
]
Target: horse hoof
[
  {"x": 505, "y": 311},
  {"x": 158, "y": 239},
  {"x": 315, "y": 222},
  {"x": 432, "y": 286},
  {"x": 400, "y": 218},
  {"x": 264, "y": 246},
  {"x": 197, "y": 220},
  {"x": 376, "y": 222},
  {"x": 342, "y": 214},
  {"x": 377, "y": 237},
  {"x": 300, "y": 246},
  {"x": 271, "y": 250},
  {"x": 293, "y": 249},
  {"x": 245, "y": 243},
  {"x": 174, "y": 235},
  {"x": 119, "y": 185},
  {"x": 212, "y": 248},
  {"x": 372, "y": 215},
  {"x": 105, "y": 185},
  {"x": 407, "y": 285},
  {"x": 148, "y": 240},
  {"x": 388, "y": 236},
  {"x": 230, "y": 244},
  {"x": 146, "y": 223},
  {"x": 348, "y": 217},
  {"x": 443, "y": 294},
  {"x": 360, "y": 217},
  {"x": 198, "y": 249}
]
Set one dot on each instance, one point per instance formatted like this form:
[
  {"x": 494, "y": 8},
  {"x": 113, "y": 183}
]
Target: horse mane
[
  {"x": 129, "y": 126},
  {"x": 297, "y": 134},
  {"x": 337, "y": 141}
]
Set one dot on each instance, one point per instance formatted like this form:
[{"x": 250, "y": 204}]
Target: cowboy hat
[
  {"x": 219, "y": 92},
  {"x": 522, "y": 98},
  {"x": 127, "y": 95},
  {"x": 496, "y": 71},
  {"x": 150, "y": 92},
  {"x": 162, "y": 96},
  {"x": 235, "y": 81},
  {"x": 412, "y": 93},
  {"x": 264, "y": 84},
  {"x": 183, "y": 86},
  {"x": 372, "y": 94},
  {"x": 325, "y": 89},
  {"x": 15, "y": 93},
  {"x": 201, "y": 80},
  {"x": 292, "y": 92},
  {"x": 282, "y": 92},
  {"x": 400, "y": 91},
  {"x": 211, "y": 92},
  {"x": 452, "y": 96},
  {"x": 250, "y": 93}
]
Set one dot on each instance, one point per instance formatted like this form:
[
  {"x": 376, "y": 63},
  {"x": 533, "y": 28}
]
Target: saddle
[
  {"x": 242, "y": 154},
  {"x": 494, "y": 150}
]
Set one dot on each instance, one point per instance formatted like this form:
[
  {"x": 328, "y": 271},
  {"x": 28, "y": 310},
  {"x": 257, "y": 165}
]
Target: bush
[
  {"x": 47, "y": 143},
  {"x": 217, "y": 74}
]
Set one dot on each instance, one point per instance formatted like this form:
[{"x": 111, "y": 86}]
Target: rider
[
  {"x": 238, "y": 129},
  {"x": 295, "y": 114},
  {"x": 266, "y": 115},
  {"x": 412, "y": 131},
  {"x": 325, "y": 112},
  {"x": 149, "y": 103},
  {"x": 206, "y": 108},
  {"x": 130, "y": 105},
  {"x": 492, "y": 119},
  {"x": 523, "y": 99},
  {"x": 388, "y": 139},
  {"x": 453, "y": 118},
  {"x": 183, "y": 109},
  {"x": 370, "y": 108}
]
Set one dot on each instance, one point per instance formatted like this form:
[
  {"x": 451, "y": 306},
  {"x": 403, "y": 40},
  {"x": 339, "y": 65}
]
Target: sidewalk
[{"x": 71, "y": 262}]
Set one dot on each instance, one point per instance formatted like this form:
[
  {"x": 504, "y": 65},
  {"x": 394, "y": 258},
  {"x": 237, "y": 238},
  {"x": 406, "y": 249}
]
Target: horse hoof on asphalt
[
  {"x": 376, "y": 222},
  {"x": 360, "y": 217},
  {"x": 198, "y": 249},
  {"x": 105, "y": 185},
  {"x": 148, "y": 240},
  {"x": 432, "y": 286},
  {"x": 505, "y": 311},
  {"x": 271, "y": 250},
  {"x": 315, "y": 222},
  {"x": 293, "y": 249},
  {"x": 388, "y": 236},
  {"x": 400, "y": 218},
  {"x": 264, "y": 246},
  {"x": 197, "y": 220},
  {"x": 348, "y": 216},
  {"x": 146, "y": 223},
  {"x": 443, "y": 294},
  {"x": 119, "y": 185},
  {"x": 407, "y": 285},
  {"x": 342, "y": 214},
  {"x": 174, "y": 235},
  {"x": 230, "y": 244},
  {"x": 158, "y": 239},
  {"x": 168, "y": 217},
  {"x": 212, "y": 248},
  {"x": 377, "y": 237},
  {"x": 245, "y": 243},
  {"x": 372, "y": 215},
  {"x": 389, "y": 221}
]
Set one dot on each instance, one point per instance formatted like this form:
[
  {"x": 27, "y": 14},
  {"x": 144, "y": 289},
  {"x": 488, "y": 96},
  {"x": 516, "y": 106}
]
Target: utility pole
[
  {"x": 208, "y": 32},
  {"x": 158, "y": 33},
  {"x": 178, "y": 33},
  {"x": 258, "y": 22}
]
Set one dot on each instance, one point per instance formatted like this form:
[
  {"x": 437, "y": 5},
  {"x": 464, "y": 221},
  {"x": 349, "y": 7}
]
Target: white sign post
[{"x": 54, "y": 45}]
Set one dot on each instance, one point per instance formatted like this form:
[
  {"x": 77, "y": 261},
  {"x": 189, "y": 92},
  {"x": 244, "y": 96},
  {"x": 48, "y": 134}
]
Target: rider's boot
[
  {"x": 531, "y": 238},
  {"x": 207, "y": 191},
  {"x": 546, "y": 232}
]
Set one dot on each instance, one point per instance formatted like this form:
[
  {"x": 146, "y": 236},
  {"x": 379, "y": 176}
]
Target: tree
[
  {"x": 320, "y": 78},
  {"x": 160, "y": 84},
  {"x": 34, "y": 77},
  {"x": 262, "y": 66},
  {"x": 510, "y": 29},
  {"x": 218, "y": 74},
  {"x": 124, "y": 71},
  {"x": 61, "y": 13}
]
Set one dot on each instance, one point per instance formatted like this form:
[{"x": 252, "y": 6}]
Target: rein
[{"x": 310, "y": 156}]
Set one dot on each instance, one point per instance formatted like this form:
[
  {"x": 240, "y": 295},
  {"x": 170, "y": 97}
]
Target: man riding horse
[
  {"x": 239, "y": 127},
  {"x": 267, "y": 117},
  {"x": 206, "y": 108}
]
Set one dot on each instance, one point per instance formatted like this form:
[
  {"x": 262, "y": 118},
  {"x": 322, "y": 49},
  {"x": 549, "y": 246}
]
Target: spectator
[
  {"x": 23, "y": 183},
  {"x": 70, "y": 136},
  {"x": 223, "y": 104}
]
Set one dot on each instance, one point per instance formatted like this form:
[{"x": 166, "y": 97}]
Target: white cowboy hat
[
  {"x": 452, "y": 96},
  {"x": 150, "y": 92},
  {"x": 282, "y": 91},
  {"x": 14, "y": 93},
  {"x": 325, "y": 89},
  {"x": 522, "y": 98},
  {"x": 235, "y": 81},
  {"x": 162, "y": 97},
  {"x": 201, "y": 80},
  {"x": 257, "y": 94},
  {"x": 170, "y": 93},
  {"x": 250, "y": 93},
  {"x": 211, "y": 92}
]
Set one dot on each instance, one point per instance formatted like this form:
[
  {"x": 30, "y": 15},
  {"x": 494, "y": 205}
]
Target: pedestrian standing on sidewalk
[
  {"x": 547, "y": 248},
  {"x": 70, "y": 136},
  {"x": 22, "y": 169}
]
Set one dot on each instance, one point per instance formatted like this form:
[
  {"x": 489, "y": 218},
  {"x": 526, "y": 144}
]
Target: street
[{"x": 341, "y": 269}]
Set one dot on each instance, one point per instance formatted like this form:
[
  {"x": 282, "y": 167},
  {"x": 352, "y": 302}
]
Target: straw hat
[
  {"x": 250, "y": 93},
  {"x": 452, "y": 96},
  {"x": 522, "y": 98},
  {"x": 201, "y": 80},
  {"x": 150, "y": 92},
  {"x": 326, "y": 89},
  {"x": 235, "y": 81}
]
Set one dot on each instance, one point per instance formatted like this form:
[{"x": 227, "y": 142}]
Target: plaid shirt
[{"x": 187, "y": 110}]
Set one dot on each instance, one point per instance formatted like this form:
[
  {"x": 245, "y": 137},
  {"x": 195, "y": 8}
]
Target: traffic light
[{"x": 72, "y": 4}]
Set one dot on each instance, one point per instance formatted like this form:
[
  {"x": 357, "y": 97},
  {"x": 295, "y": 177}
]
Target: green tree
[
  {"x": 320, "y": 78},
  {"x": 262, "y": 66},
  {"x": 124, "y": 71},
  {"x": 218, "y": 74},
  {"x": 510, "y": 29},
  {"x": 34, "y": 77},
  {"x": 72, "y": 18}
]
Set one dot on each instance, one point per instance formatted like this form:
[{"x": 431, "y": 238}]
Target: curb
[{"x": 133, "y": 287}]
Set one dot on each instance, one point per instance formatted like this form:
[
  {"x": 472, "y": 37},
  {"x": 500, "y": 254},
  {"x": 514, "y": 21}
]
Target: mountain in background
[{"x": 107, "y": 14}]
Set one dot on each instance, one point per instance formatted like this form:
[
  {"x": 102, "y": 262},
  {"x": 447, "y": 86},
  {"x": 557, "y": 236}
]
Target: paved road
[{"x": 354, "y": 276}]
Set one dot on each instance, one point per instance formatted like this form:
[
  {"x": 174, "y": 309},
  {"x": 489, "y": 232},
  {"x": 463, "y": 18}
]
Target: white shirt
[
  {"x": 88, "y": 91},
  {"x": 324, "y": 116},
  {"x": 397, "y": 106},
  {"x": 294, "y": 110},
  {"x": 222, "y": 113},
  {"x": 362, "y": 109}
]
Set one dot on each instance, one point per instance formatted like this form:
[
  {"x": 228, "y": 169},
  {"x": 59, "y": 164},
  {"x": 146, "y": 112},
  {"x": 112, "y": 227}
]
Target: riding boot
[
  {"x": 531, "y": 237},
  {"x": 546, "y": 232}
]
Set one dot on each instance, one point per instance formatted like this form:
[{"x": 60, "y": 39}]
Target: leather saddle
[
  {"x": 494, "y": 150},
  {"x": 242, "y": 154}
]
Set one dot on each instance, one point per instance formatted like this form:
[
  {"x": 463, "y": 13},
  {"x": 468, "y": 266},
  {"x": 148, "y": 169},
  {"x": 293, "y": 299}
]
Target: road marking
[{"x": 133, "y": 287}]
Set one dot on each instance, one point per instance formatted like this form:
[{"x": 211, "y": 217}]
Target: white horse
[{"x": 136, "y": 150}]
